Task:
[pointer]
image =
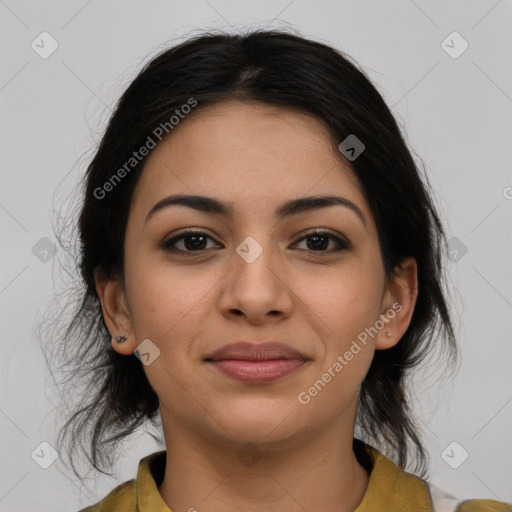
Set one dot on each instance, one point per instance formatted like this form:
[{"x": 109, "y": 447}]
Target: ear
[
  {"x": 116, "y": 312},
  {"x": 398, "y": 303}
]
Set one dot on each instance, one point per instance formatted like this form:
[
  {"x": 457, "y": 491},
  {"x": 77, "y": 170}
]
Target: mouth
[{"x": 256, "y": 363}]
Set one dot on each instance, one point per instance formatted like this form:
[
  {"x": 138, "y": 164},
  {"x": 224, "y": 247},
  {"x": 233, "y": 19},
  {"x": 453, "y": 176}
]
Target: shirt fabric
[{"x": 389, "y": 489}]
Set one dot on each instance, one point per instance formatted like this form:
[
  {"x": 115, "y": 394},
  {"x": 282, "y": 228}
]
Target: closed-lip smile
[
  {"x": 248, "y": 351},
  {"x": 256, "y": 363}
]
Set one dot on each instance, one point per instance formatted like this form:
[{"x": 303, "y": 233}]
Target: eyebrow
[{"x": 293, "y": 207}]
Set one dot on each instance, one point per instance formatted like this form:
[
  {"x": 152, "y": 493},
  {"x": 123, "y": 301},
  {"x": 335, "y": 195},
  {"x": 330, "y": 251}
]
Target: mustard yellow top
[{"x": 389, "y": 490}]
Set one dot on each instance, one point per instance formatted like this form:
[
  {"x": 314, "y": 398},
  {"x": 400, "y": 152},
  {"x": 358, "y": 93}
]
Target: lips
[
  {"x": 248, "y": 351},
  {"x": 256, "y": 363}
]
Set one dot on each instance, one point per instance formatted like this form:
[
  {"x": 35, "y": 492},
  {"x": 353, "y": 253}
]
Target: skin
[{"x": 257, "y": 157}]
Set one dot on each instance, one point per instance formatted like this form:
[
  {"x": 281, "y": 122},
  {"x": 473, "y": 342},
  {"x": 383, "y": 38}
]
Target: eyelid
[{"x": 323, "y": 232}]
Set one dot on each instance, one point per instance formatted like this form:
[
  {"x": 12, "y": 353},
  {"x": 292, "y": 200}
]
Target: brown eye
[
  {"x": 193, "y": 241},
  {"x": 318, "y": 241}
]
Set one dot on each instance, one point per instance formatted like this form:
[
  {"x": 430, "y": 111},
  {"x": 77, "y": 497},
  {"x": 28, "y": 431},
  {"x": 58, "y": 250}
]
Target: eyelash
[{"x": 167, "y": 245}]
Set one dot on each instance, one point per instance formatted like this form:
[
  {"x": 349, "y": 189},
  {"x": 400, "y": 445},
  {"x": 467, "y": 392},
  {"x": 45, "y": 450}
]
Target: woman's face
[{"x": 252, "y": 276}]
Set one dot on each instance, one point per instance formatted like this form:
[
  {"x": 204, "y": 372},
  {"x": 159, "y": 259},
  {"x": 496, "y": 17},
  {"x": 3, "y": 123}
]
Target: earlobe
[
  {"x": 398, "y": 304},
  {"x": 116, "y": 314},
  {"x": 385, "y": 340}
]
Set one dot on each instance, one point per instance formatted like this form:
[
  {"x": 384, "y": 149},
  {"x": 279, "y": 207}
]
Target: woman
[{"x": 262, "y": 263}]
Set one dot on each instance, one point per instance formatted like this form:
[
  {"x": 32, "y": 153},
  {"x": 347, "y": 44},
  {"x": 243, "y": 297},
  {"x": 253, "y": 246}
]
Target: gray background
[{"x": 456, "y": 113}]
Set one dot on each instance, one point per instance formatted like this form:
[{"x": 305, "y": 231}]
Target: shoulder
[
  {"x": 483, "y": 506},
  {"x": 397, "y": 489},
  {"x": 140, "y": 493},
  {"x": 390, "y": 488},
  {"x": 444, "y": 502},
  {"x": 121, "y": 498}
]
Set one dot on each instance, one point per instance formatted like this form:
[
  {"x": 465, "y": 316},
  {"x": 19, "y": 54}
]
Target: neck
[{"x": 322, "y": 474}]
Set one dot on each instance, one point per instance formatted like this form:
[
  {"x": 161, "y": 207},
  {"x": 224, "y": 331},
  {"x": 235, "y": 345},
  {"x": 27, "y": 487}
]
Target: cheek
[
  {"x": 169, "y": 306},
  {"x": 343, "y": 306},
  {"x": 166, "y": 301},
  {"x": 344, "y": 302},
  {"x": 343, "y": 309}
]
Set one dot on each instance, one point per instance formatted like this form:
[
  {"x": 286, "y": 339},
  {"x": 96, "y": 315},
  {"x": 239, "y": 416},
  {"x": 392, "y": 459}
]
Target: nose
[{"x": 257, "y": 288}]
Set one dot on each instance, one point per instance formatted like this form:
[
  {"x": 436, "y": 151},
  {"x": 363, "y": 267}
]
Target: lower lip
[{"x": 257, "y": 372}]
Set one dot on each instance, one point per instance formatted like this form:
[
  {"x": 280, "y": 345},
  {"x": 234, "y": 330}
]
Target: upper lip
[{"x": 249, "y": 351}]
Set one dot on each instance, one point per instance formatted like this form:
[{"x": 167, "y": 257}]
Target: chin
[{"x": 259, "y": 421}]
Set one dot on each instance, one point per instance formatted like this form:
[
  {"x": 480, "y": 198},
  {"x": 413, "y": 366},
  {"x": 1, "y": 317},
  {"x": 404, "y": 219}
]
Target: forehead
[{"x": 252, "y": 154}]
